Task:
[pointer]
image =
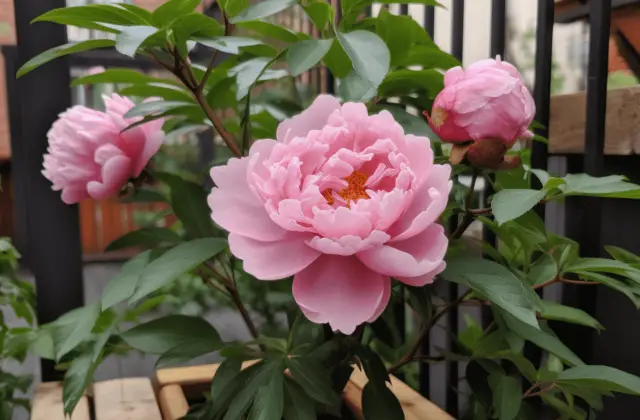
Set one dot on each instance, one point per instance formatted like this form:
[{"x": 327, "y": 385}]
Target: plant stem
[
  {"x": 426, "y": 328},
  {"x": 235, "y": 297},
  {"x": 467, "y": 219},
  {"x": 531, "y": 394}
]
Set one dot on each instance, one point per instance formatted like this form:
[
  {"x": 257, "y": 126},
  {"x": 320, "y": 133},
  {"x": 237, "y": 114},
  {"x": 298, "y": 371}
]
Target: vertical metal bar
[
  {"x": 53, "y": 230},
  {"x": 404, "y": 9},
  {"x": 425, "y": 348},
  {"x": 593, "y": 159},
  {"x": 497, "y": 48},
  {"x": 430, "y": 19},
  {"x": 542, "y": 88},
  {"x": 329, "y": 79},
  {"x": 10, "y": 54},
  {"x": 457, "y": 49}
]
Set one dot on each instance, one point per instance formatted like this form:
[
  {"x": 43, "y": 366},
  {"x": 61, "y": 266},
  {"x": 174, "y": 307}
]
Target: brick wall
[{"x": 7, "y": 37}]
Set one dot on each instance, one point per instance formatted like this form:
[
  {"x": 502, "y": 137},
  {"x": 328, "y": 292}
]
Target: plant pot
[{"x": 177, "y": 387}]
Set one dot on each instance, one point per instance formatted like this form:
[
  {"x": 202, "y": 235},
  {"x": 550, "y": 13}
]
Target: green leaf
[
  {"x": 314, "y": 379},
  {"x": 614, "y": 284},
  {"x": 557, "y": 312},
  {"x": 355, "y": 88},
  {"x": 130, "y": 38},
  {"x": 565, "y": 410},
  {"x": 379, "y": 403},
  {"x": 299, "y": 405},
  {"x": 602, "y": 378},
  {"x": 118, "y": 75},
  {"x": 411, "y": 124},
  {"x": 173, "y": 9},
  {"x": 605, "y": 266},
  {"x": 233, "y": 7},
  {"x": 93, "y": 16},
  {"x": 263, "y": 9},
  {"x": 622, "y": 254},
  {"x": 72, "y": 328},
  {"x": 189, "y": 202},
  {"x": 543, "y": 270},
  {"x": 428, "y": 57},
  {"x": 165, "y": 91},
  {"x": 420, "y": 300},
  {"x": 507, "y": 395},
  {"x": 270, "y": 30},
  {"x": 511, "y": 204},
  {"x": 496, "y": 283},
  {"x": 157, "y": 107},
  {"x": 269, "y": 401},
  {"x": 398, "y": 32},
  {"x": 224, "y": 375},
  {"x": 543, "y": 338},
  {"x": 306, "y": 54},
  {"x": 248, "y": 394},
  {"x": 250, "y": 72},
  {"x": 145, "y": 237},
  {"x": 368, "y": 53},
  {"x": 175, "y": 262},
  {"x": 337, "y": 61},
  {"x": 229, "y": 44},
  {"x": 406, "y": 82},
  {"x": 173, "y": 332},
  {"x": 321, "y": 14},
  {"x": 76, "y": 380},
  {"x": 608, "y": 186},
  {"x": 61, "y": 51},
  {"x": 123, "y": 285},
  {"x": 525, "y": 367}
]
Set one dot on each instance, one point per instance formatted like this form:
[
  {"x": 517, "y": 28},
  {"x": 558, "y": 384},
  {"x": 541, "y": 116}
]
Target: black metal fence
[{"x": 51, "y": 237}]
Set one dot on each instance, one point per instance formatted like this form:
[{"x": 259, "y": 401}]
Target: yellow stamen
[{"x": 354, "y": 191}]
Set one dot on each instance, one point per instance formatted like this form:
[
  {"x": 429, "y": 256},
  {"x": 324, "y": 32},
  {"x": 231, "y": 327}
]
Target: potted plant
[{"x": 345, "y": 199}]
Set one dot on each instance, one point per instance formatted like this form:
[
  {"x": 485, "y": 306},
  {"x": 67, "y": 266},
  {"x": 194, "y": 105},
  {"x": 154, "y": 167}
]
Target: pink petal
[
  {"x": 453, "y": 76},
  {"x": 273, "y": 260},
  {"x": 152, "y": 144},
  {"x": 313, "y": 118},
  {"x": 340, "y": 291},
  {"x": 349, "y": 244},
  {"x": 412, "y": 257},
  {"x": 236, "y": 214},
  {"x": 428, "y": 204},
  {"x": 74, "y": 194},
  {"x": 115, "y": 174},
  {"x": 424, "y": 279},
  {"x": 232, "y": 177}
]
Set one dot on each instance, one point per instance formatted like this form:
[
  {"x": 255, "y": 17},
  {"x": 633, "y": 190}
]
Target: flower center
[
  {"x": 438, "y": 117},
  {"x": 354, "y": 191}
]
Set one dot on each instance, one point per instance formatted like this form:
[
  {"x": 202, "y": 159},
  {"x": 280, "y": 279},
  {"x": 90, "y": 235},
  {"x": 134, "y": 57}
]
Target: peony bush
[{"x": 356, "y": 205}]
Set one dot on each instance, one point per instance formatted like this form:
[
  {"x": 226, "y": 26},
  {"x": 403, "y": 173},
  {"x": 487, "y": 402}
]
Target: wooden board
[
  {"x": 125, "y": 399},
  {"x": 568, "y": 122},
  {"x": 172, "y": 383},
  {"x": 47, "y": 404},
  {"x": 415, "y": 406}
]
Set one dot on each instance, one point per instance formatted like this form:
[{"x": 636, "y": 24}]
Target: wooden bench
[{"x": 167, "y": 397}]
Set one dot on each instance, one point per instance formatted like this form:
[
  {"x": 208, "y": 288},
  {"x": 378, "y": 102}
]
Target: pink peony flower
[
  {"x": 89, "y": 154},
  {"x": 341, "y": 200},
  {"x": 487, "y": 101}
]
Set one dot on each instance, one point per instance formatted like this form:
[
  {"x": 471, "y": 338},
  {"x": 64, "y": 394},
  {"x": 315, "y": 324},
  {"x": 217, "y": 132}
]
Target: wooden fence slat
[
  {"x": 47, "y": 404},
  {"x": 125, "y": 399},
  {"x": 173, "y": 402},
  {"x": 88, "y": 227}
]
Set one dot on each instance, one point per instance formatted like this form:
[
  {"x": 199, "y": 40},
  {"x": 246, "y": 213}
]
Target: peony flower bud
[
  {"x": 488, "y": 100},
  {"x": 90, "y": 156}
]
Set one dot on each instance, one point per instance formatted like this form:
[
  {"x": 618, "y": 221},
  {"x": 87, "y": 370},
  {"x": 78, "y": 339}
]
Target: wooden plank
[
  {"x": 47, "y": 404},
  {"x": 415, "y": 406},
  {"x": 568, "y": 122},
  {"x": 190, "y": 375},
  {"x": 125, "y": 399},
  {"x": 173, "y": 402}
]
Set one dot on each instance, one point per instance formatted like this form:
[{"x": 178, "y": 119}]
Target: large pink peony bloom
[
  {"x": 487, "y": 101},
  {"x": 343, "y": 201},
  {"x": 89, "y": 154}
]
